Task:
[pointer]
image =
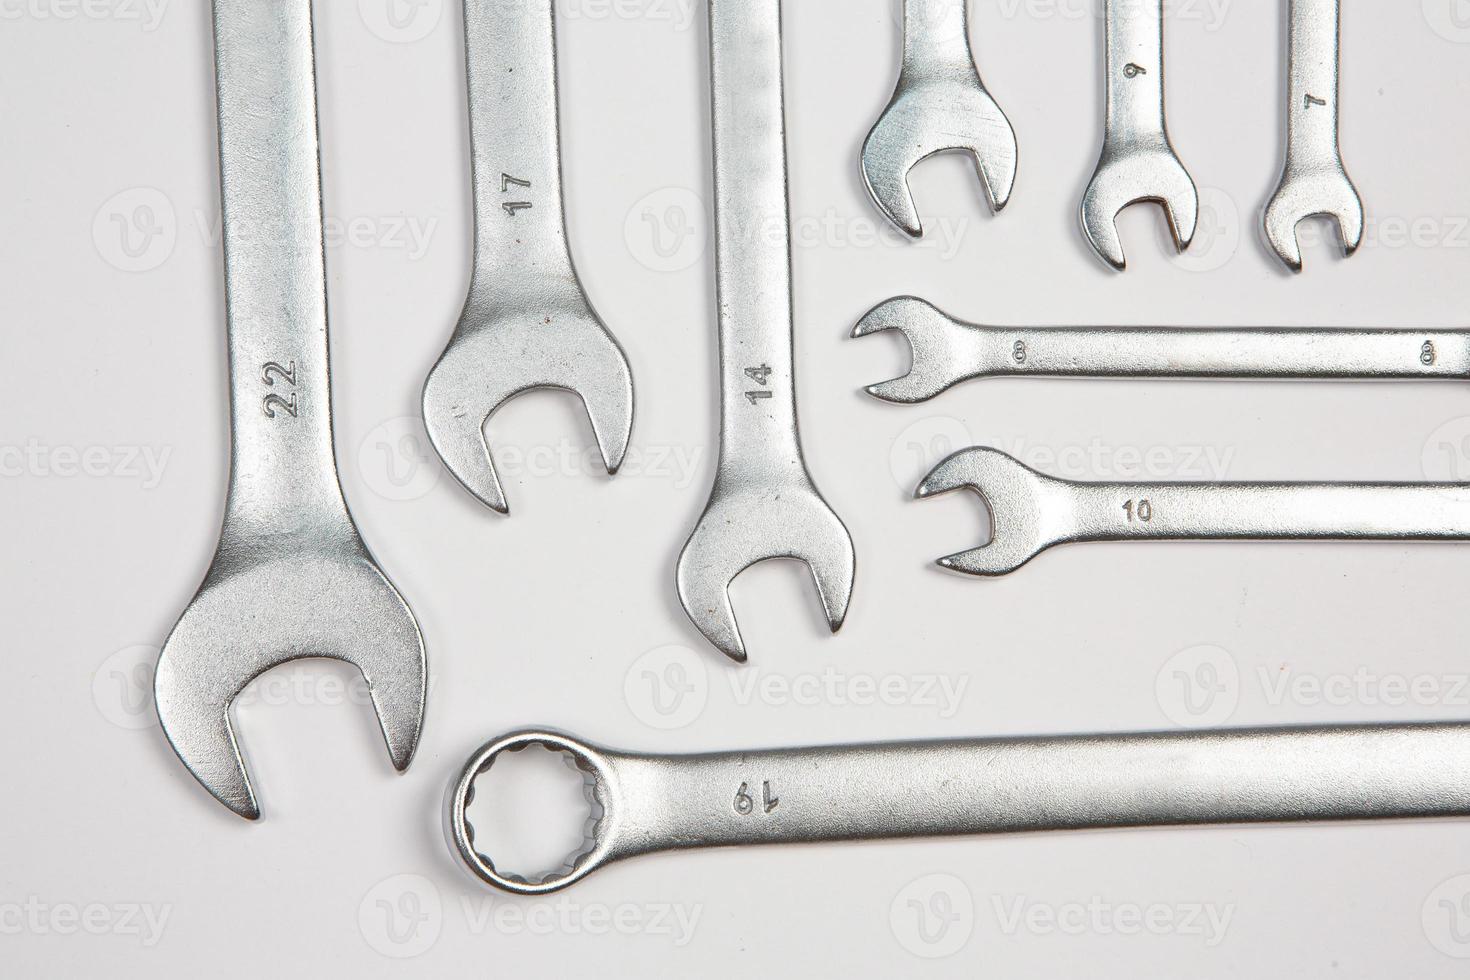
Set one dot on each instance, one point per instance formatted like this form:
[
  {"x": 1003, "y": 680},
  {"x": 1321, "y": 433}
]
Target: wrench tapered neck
[
  {"x": 1135, "y": 68},
  {"x": 753, "y": 237},
  {"x": 520, "y": 227},
  {"x": 936, "y": 36},
  {"x": 283, "y": 470}
]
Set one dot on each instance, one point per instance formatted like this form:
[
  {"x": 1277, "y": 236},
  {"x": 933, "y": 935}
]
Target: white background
[{"x": 564, "y": 614}]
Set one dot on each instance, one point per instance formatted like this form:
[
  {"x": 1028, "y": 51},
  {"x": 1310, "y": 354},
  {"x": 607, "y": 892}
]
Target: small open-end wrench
[
  {"x": 1314, "y": 182},
  {"x": 654, "y": 803},
  {"x": 1031, "y": 512},
  {"x": 527, "y": 323},
  {"x": 764, "y": 504},
  {"x": 947, "y": 352},
  {"x": 291, "y": 577},
  {"x": 1138, "y": 162},
  {"x": 940, "y": 104}
]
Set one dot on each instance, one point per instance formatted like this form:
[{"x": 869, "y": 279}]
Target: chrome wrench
[
  {"x": 764, "y": 504},
  {"x": 526, "y": 323},
  {"x": 653, "y": 803},
  {"x": 940, "y": 105},
  {"x": 291, "y": 577},
  {"x": 947, "y": 352},
  {"x": 1314, "y": 181},
  {"x": 1031, "y": 512},
  {"x": 1138, "y": 161}
]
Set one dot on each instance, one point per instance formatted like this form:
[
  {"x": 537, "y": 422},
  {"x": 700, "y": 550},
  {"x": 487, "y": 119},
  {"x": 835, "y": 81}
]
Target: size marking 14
[
  {"x": 511, "y": 207},
  {"x": 745, "y": 803},
  {"x": 269, "y": 373},
  {"x": 761, "y": 376}
]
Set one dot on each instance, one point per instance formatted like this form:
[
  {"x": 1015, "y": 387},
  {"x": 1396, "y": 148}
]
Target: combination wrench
[
  {"x": 764, "y": 504},
  {"x": 527, "y": 323},
  {"x": 1314, "y": 182},
  {"x": 645, "y": 804},
  {"x": 291, "y": 577},
  {"x": 939, "y": 105},
  {"x": 1031, "y": 512},
  {"x": 947, "y": 352},
  {"x": 1138, "y": 161}
]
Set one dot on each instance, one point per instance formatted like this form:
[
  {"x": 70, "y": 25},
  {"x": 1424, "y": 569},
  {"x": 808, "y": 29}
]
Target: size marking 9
[
  {"x": 761, "y": 376},
  {"x": 511, "y": 207},
  {"x": 745, "y": 803},
  {"x": 1131, "y": 70},
  {"x": 269, "y": 372},
  {"x": 1139, "y": 511}
]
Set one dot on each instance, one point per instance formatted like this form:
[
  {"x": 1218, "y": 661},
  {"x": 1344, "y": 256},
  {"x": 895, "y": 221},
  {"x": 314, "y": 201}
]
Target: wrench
[
  {"x": 763, "y": 504},
  {"x": 291, "y": 577},
  {"x": 947, "y": 352},
  {"x": 1138, "y": 162},
  {"x": 1314, "y": 182},
  {"x": 1031, "y": 512},
  {"x": 652, "y": 803},
  {"x": 526, "y": 323},
  {"x": 940, "y": 104}
]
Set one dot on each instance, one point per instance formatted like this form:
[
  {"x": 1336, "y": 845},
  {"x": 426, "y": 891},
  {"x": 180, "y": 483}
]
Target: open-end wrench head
[
  {"x": 1136, "y": 176},
  {"x": 1326, "y": 193},
  {"x": 950, "y": 111},
  {"x": 1019, "y": 516},
  {"x": 936, "y": 340},
  {"x": 747, "y": 522},
  {"x": 497, "y": 354},
  {"x": 254, "y": 613}
]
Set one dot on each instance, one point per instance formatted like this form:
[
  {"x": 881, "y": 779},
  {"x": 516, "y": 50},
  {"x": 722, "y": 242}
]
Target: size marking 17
[
  {"x": 761, "y": 376},
  {"x": 273, "y": 401},
  {"x": 745, "y": 803},
  {"x": 511, "y": 207}
]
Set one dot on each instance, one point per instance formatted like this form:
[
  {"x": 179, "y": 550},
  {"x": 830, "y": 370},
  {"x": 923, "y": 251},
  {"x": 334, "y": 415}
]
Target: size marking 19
[
  {"x": 761, "y": 376},
  {"x": 745, "y": 803},
  {"x": 273, "y": 401},
  {"x": 1139, "y": 511},
  {"x": 511, "y": 207}
]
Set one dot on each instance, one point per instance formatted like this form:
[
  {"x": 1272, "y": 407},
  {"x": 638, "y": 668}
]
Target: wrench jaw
[
  {"x": 1123, "y": 179},
  {"x": 1326, "y": 194},
  {"x": 1015, "y": 495},
  {"x": 251, "y": 616},
  {"x": 936, "y": 341},
  {"x": 492, "y": 359},
  {"x": 950, "y": 114},
  {"x": 748, "y": 523}
]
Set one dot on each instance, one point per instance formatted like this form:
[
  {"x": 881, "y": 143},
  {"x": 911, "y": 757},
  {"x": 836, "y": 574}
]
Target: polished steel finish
[
  {"x": 1031, "y": 512},
  {"x": 291, "y": 577},
  {"x": 652, "y": 803},
  {"x": 940, "y": 104},
  {"x": 947, "y": 352},
  {"x": 1314, "y": 182},
  {"x": 763, "y": 504},
  {"x": 527, "y": 323},
  {"x": 1138, "y": 162}
]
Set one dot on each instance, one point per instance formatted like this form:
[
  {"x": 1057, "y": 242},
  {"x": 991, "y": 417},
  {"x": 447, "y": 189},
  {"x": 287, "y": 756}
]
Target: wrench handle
[
  {"x": 283, "y": 474},
  {"x": 1312, "y": 88},
  {"x": 936, "y": 37},
  {"x": 520, "y": 225},
  {"x": 1263, "y": 511},
  {"x": 752, "y": 234},
  {"x": 934, "y": 789},
  {"x": 1183, "y": 352},
  {"x": 1135, "y": 68}
]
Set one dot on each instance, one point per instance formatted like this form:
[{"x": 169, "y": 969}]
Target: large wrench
[
  {"x": 940, "y": 104},
  {"x": 652, "y": 803},
  {"x": 764, "y": 504},
  {"x": 947, "y": 352},
  {"x": 1314, "y": 181},
  {"x": 1138, "y": 162},
  {"x": 1031, "y": 512},
  {"x": 291, "y": 577},
  {"x": 526, "y": 323}
]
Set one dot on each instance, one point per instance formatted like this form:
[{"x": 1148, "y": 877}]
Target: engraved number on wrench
[
  {"x": 745, "y": 803},
  {"x": 761, "y": 376},
  {"x": 1139, "y": 511},
  {"x": 511, "y": 207},
  {"x": 268, "y": 373}
]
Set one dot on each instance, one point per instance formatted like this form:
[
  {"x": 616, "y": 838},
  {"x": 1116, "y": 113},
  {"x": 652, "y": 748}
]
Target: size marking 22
[
  {"x": 745, "y": 803},
  {"x": 272, "y": 402},
  {"x": 761, "y": 376},
  {"x": 506, "y": 183}
]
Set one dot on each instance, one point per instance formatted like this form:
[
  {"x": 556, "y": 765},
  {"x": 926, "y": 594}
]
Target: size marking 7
[
  {"x": 511, "y": 207},
  {"x": 761, "y": 376}
]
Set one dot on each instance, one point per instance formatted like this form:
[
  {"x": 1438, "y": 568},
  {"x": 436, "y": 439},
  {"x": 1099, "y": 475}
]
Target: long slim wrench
[
  {"x": 1138, "y": 161},
  {"x": 652, "y": 803},
  {"x": 1314, "y": 181},
  {"x": 291, "y": 577},
  {"x": 764, "y": 504},
  {"x": 526, "y": 323},
  {"x": 1031, "y": 512},
  {"x": 939, "y": 105},
  {"x": 947, "y": 352}
]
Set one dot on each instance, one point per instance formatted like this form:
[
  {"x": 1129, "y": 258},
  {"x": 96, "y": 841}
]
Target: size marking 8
[
  {"x": 1427, "y": 354},
  {"x": 1139, "y": 511}
]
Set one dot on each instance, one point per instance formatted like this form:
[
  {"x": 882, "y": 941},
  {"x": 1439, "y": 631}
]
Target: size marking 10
[
  {"x": 511, "y": 207},
  {"x": 745, "y": 803},
  {"x": 761, "y": 376},
  {"x": 1139, "y": 511},
  {"x": 273, "y": 401}
]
